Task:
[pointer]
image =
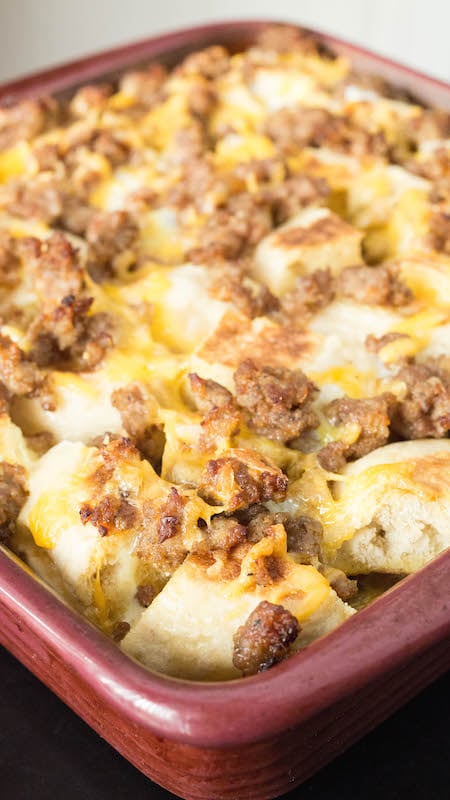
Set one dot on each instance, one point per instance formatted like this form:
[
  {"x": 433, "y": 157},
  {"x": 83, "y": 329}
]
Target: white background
[{"x": 38, "y": 33}]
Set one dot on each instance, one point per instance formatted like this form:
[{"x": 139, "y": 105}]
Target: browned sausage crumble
[
  {"x": 264, "y": 639},
  {"x": 277, "y": 400}
]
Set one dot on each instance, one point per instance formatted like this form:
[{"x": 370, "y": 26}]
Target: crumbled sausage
[
  {"x": 108, "y": 144},
  {"x": 47, "y": 155},
  {"x": 288, "y": 38},
  {"x": 332, "y": 456},
  {"x": 24, "y": 120},
  {"x": 262, "y": 172},
  {"x": 75, "y": 215},
  {"x": 18, "y": 374},
  {"x": 373, "y": 285},
  {"x": 171, "y": 515},
  {"x": 145, "y": 594},
  {"x": 440, "y": 190},
  {"x": 109, "y": 234},
  {"x": 310, "y": 294},
  {"x": 424, "y": 412},
  {"x": 40, "y": 442},
  {"x": 113, "y": 451},
  {"x": 430, "y": 124},
  {"x": 120, "y": 630},
  {"x": 135, "y": 412},
  {"x": 221, "y": 416},
  {"x": 292, "y": 129},
  {"x": 345, "y": 588},
  {"x": 439, "y": 235},
  {"x": 223, "y": 533},
  {"x": 144, "y": 85},
  {"x": 303, "y": 537},
  {"x": 90, "y": 98},
  {"x": 54, "y": 266},
  {"x": 375, "y": 84},
  {"x": 113, "y": 513},
  {"x": 372, "y": 415},
  {"x": 207, "y": 394},
  {"x": 160, "y": 536},
  {"x": 241, "y": 478},
  {"x": 198, "y": 181},
  {"x": 39, "y": 197},
  {"x": 187, "y": 150},
  {"x": 230, "y": 282},
  {"x": 303, "y": 533},
  {"x": 13, "y": 494},
  {"x": 4, "y": 399},
  {"x": 230, "y": 231},
  {"x": 9, "y": 261},
  {"x": 277, "y": 400},
  {"x": 221, "y": 422},
  {"x": 210, "y": 63},
  {"x": 289, "y": 197},
  {"x": 66, "y": 337},
  {"x": 264, "y": 639},
  {"x": 202, "y": 98}
]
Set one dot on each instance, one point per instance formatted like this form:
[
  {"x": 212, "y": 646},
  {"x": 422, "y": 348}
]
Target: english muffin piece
[
  {"x": 314, "y": 239},
  {"x": 188, "y": 630},
  {"x": 108, "y": 524},
  {"x": 392, "y": 510}
]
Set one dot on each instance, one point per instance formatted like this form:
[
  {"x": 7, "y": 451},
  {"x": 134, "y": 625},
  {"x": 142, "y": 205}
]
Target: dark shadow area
[{"x": 47, "y": 753}]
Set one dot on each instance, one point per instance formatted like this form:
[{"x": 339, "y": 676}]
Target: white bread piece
[
  {"x": 13, "y": 447},
  {"x": 393, "y": 509},
  {"x": 102, "y": 572},
  {"x": 316, "y": 238},
  {"x": 187, "y": 631},
  {"x": 82, "y": 410},
  {"x": 331, "y": 351},
  {"x": 177, "y": 294},
  {"x": 58, "y": 487}
]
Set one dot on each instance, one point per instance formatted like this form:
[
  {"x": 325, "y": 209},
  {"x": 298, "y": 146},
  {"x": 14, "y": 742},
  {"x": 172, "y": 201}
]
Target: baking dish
[{"x": 194, "y": 739}]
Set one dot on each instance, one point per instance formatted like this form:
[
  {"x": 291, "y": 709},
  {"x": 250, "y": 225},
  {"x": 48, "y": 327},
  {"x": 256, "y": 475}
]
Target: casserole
[{"x": 311, "y": 706}]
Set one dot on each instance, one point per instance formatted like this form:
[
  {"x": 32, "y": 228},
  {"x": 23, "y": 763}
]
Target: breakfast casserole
[{"x": 225, "y": 349}]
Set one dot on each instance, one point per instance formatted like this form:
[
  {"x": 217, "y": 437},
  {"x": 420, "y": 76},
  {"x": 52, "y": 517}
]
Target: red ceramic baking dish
[{"x": 258, "y": 737}]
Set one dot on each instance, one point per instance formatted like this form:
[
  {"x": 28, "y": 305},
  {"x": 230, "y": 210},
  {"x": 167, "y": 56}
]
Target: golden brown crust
[
  {"x": 319, "y": 232},
  {"x": 276, "y": 345}
]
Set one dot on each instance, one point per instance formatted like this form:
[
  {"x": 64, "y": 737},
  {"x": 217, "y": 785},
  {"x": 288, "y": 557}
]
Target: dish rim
[{"x": 405, "y": 621}]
